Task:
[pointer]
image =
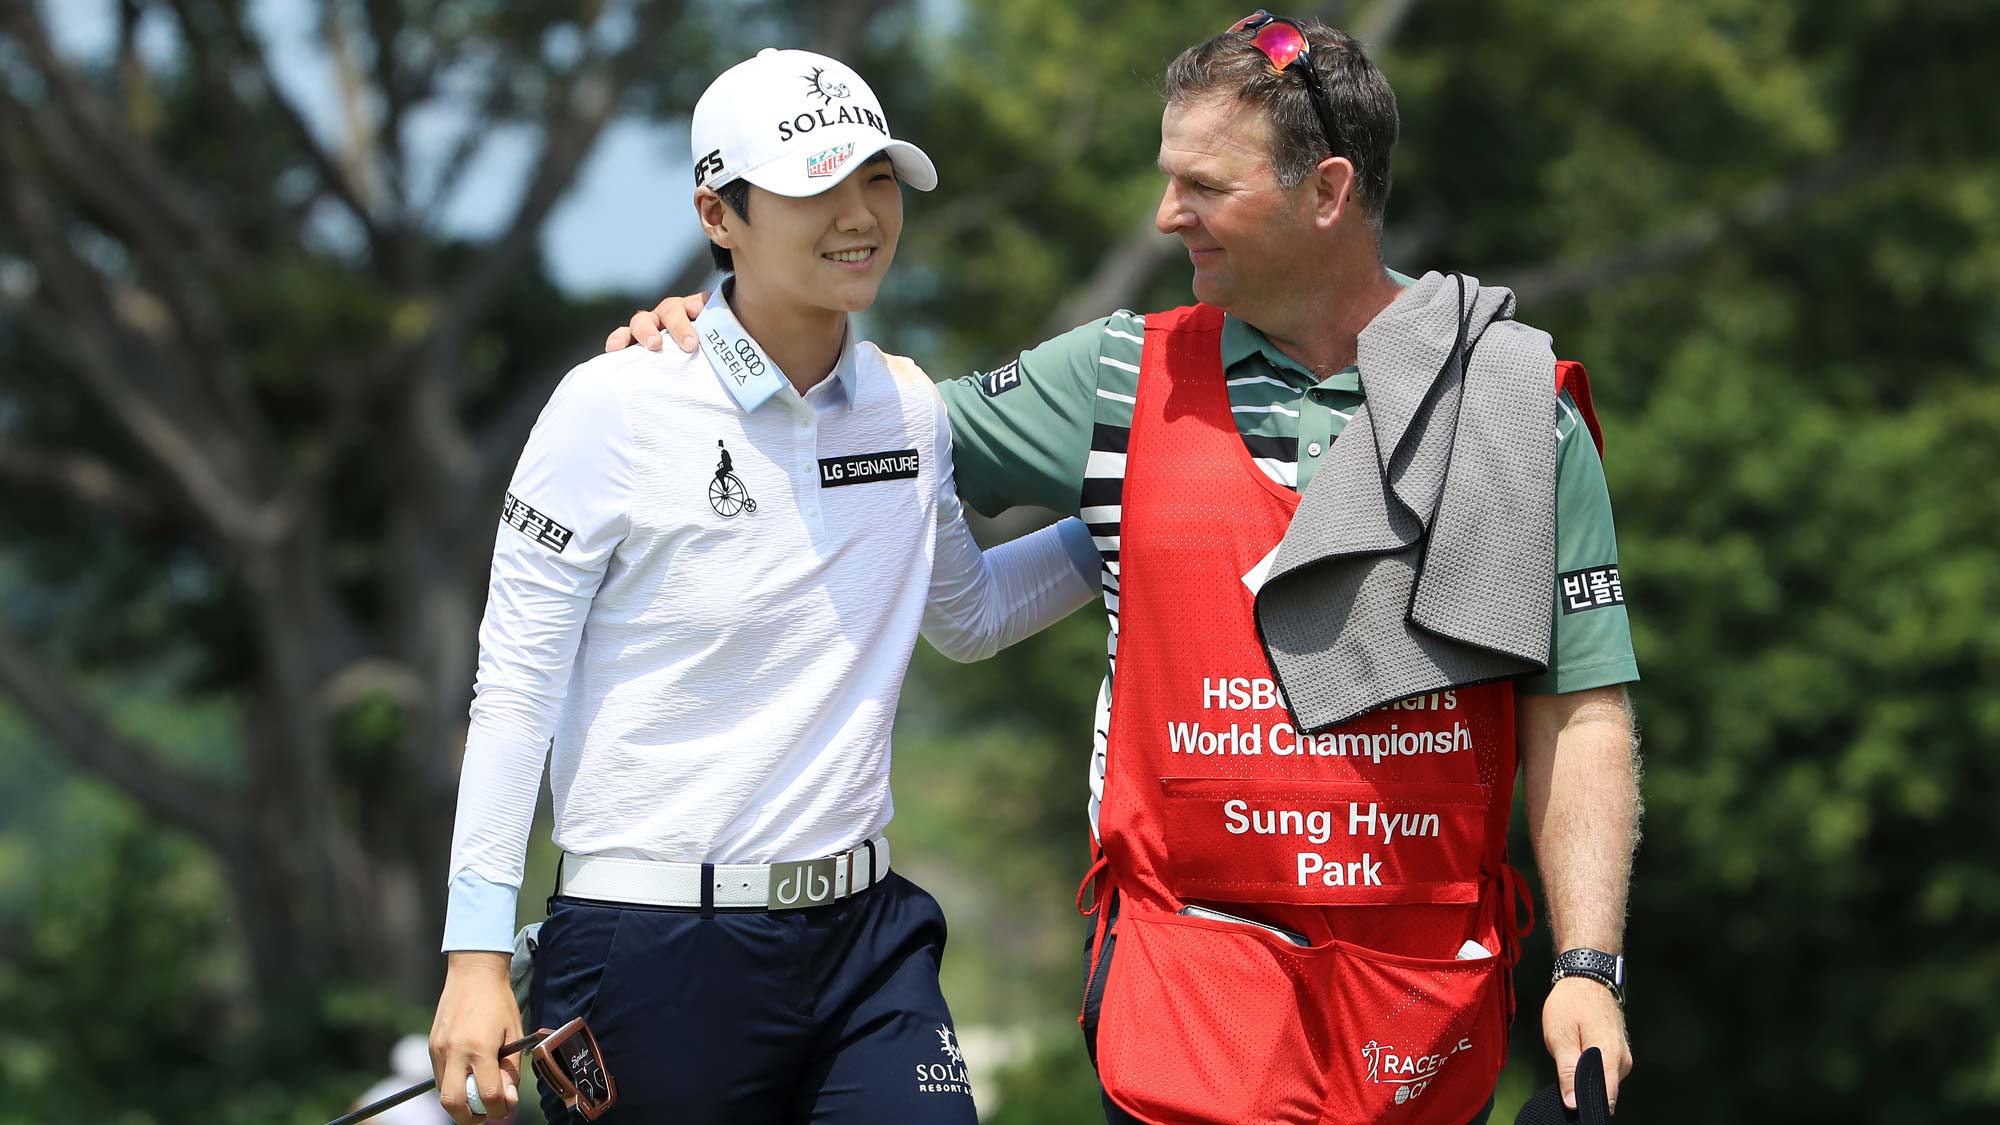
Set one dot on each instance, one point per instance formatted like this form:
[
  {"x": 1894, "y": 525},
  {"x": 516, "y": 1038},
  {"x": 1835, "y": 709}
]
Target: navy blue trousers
[{"x": 826, "y": 1015}]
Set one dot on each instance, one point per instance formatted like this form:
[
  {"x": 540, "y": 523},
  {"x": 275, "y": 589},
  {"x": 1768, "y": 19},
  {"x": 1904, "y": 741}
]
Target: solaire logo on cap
[
  {"x": 819, "y": 84},
  {"x": 824, "y": 90}
]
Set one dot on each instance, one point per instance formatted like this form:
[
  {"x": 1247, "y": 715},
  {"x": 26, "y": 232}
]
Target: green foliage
[
  {"x": 119, "y": 977},
  {"x": 1055, "y": 1084}
]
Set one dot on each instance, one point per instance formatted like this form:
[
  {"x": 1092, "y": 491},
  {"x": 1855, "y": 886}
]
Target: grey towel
[{"x": 1422, "y": 556}]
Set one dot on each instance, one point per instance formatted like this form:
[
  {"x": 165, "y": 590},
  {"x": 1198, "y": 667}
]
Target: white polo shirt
[{"x": 719, "y": 677}]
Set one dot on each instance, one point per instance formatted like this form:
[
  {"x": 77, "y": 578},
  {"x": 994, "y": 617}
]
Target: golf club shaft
[{"x": 401, "y": 1096}]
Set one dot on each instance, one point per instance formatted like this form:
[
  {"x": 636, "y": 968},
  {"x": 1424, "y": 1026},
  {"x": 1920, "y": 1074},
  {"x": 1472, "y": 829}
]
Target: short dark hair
[
  {"x": 736, "y": 196},
  {"x": 1362, "y": 104}
]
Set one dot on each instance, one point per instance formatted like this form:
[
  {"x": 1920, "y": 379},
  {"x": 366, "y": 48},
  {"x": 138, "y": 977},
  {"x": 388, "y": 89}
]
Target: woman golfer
[{"x": 708, "y": 656}]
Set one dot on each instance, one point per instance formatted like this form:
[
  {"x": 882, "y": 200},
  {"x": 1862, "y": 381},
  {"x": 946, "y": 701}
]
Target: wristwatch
[{"x": 1607, "y": 969}]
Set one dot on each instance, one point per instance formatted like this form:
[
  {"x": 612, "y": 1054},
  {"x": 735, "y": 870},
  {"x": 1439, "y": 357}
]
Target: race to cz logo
[
  {"x": 726, "y": 493},
  {"x": 949, "y": 1076},
  {"x": 1411, "y": 1074}
]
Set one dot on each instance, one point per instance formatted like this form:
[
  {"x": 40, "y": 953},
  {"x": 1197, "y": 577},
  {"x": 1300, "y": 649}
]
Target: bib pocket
[{"x": 1210, "y": 1021}]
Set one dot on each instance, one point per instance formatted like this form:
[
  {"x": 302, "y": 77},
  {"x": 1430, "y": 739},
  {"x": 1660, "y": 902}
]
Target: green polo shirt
[{"x": 1050, "y": 429}]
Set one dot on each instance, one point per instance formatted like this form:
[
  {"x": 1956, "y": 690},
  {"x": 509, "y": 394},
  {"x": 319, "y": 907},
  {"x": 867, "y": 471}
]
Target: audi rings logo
[{"x": 739, "y": 358}]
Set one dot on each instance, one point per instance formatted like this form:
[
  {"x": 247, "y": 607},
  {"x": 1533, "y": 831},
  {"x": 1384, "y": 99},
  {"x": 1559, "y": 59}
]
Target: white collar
[{"x": 746, "y": 371}]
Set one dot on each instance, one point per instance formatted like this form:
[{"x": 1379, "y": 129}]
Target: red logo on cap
[{"x": 821, "y": 164}]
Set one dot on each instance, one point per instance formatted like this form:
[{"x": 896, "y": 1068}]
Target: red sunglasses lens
[{"x": 1281, "y": 43}]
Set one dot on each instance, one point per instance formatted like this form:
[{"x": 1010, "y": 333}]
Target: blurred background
[{"x": 284, "y": 283}]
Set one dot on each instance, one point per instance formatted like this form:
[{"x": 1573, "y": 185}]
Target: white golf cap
[{"x": 795, "y": 123}]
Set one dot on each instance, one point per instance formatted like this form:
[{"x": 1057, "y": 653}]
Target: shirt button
[
  {"x": 805, "y": 423},
  {"x": 1312, "y": 450},
  {"x": 812, "y": 513}
]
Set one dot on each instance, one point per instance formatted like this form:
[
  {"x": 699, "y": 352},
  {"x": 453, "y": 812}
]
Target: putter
[{"x": 566, "y": 1060}]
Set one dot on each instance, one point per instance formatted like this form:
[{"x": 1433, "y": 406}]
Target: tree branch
[
  {"x": 82, "y": 479},
  {"x": 459, "y": 153},
  {"x": 385, "y": 27},
  {"x": 1120, "y": 278},
  {"x": 135, "y": 224},
  {"x": 839, "y": 25},
  {"x": 183, "y": 276},
  {"x": 327, "y": 170},
  {"x": 1762, "y": 206},
  {"x": 85, "y": 327},
  {"x": 165, "y": 791},
  {"x": 567, "y": 141},
  {"x": 117, "y": 151}
]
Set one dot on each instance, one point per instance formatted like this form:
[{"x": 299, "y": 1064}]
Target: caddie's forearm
[{"x": 1580, "y": 758}]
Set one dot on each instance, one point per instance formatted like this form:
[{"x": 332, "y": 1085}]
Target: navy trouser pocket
[{"x": 828, "y": 1015}]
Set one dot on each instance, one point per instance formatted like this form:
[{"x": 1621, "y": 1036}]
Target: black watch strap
[{"x": 1607, "y": 969}]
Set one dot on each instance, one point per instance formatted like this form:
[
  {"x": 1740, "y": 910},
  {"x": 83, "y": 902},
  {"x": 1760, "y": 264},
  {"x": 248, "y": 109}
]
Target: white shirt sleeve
[
  {"x": 567, "y": 510},
  {"x": 981, "y": 602}
]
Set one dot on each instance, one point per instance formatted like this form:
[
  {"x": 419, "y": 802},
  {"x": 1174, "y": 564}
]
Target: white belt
[{"x": 762, "y": 886}]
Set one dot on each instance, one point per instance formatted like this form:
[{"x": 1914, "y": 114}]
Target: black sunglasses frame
[{"x": 1302, "y": 62}]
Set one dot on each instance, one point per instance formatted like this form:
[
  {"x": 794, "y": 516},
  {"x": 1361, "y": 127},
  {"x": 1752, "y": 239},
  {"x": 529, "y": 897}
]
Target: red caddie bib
[{"x": 1381, "y": 842}]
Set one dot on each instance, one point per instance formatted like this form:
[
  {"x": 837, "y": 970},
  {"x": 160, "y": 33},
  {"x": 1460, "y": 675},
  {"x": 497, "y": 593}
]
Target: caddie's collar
[
  {"x": 1242, "y": 340},
  {"x": 747, "y": 373}
]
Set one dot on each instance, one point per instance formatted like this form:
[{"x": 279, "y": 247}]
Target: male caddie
[
  {"x": 716, "y": 650},
  {"x": 1359, "y": 562}
]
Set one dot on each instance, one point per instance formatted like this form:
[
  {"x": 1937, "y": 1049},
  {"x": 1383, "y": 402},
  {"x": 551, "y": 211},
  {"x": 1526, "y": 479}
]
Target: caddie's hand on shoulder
[
  {"x": 476, "y": 1016},
  {"x": 649, "y": 328},
  {"x": 1579, "y": 1014}
]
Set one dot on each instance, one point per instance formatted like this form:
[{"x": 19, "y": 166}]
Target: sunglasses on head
[{"x": 1283, "y": 42}]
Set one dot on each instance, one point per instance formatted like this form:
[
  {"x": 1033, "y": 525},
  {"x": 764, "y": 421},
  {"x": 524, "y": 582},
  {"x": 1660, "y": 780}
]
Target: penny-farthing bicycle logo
[{"x": 726, "y": 493}]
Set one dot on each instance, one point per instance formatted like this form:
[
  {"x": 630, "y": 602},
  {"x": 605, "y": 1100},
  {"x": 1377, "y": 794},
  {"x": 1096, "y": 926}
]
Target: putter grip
[
  {"x": 1593, "y": 1103},
  {"x": 401, "y": 1096}
]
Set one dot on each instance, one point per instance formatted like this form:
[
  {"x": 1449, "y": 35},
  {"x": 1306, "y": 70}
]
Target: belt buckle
[{"x": 795, "y": 886}]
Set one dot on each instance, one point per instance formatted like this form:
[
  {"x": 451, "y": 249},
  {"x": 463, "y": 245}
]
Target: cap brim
[{"x": 792, "y": 174}]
